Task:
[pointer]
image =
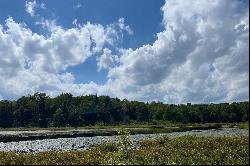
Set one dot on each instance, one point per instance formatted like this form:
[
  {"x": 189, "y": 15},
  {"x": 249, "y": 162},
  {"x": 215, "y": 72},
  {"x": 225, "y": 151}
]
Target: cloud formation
[
  {"x": 107, "y": 60},
  {"x": 30, "y": 62},
  {"x": 30, "y": 7},
  {"x": 201, "y": 56}
]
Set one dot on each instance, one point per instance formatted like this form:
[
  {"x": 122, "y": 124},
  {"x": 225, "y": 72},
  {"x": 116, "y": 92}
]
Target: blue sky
[
  {"x": 172, "y": 51},
  {"x": 99, "y": 12}
]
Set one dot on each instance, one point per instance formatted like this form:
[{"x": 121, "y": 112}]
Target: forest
[{"x": 40, "y": 110}]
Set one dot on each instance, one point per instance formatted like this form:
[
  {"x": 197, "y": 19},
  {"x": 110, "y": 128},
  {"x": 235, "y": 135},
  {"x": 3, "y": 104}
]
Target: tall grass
[{"x": 244, "y": 125}]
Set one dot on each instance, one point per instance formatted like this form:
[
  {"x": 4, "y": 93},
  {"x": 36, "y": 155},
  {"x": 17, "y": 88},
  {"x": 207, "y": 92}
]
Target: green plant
[
  {"x": 244, "y": 125},
  {"x": 106, "y": 147},
  {"x": 186, "y": 150},
  {"x": 125, "y": 145}
]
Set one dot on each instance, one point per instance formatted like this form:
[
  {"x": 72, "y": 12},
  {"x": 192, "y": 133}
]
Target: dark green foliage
[{"x": 39, "y": 110}]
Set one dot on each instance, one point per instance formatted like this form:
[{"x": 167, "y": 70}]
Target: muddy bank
[{"x": 14, "y": 136}]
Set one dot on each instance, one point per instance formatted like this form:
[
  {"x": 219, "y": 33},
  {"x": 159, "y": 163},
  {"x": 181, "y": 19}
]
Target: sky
[{"x": 172, "y": 51}]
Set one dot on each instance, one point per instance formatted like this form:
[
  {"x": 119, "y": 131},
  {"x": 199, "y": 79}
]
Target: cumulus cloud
[
  {"x": 176, "y": 68},
  {"x": 30, "y": 62},
  {"x": 201, "y": 56},
  {"x": 30, "y": 7},
  {"x": 117, "y": 29},
  {"x": 107, "y": 60}
]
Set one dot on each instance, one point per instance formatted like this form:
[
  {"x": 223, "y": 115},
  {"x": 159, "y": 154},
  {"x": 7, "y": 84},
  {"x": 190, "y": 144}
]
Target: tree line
[{"x": 40, "y": 110}]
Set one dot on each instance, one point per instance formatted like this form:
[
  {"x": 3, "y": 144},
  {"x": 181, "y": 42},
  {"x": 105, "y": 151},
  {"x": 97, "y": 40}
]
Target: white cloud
[
  {"x": 177, "y": 66},
  {"x": 30, "y": 62},
  {"x": 74, "y": 22},
  {"x": 30, "y": 7},
  {"x": 200, "y": 56},
  {"x": 117, "y": 29},
  {"x": 124, "y": 27},
  {"x": 107, "y": 60}
]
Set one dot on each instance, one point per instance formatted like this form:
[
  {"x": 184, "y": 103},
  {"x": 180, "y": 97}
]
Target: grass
[
  {"x": 244, "y": 125},
  {"x": 183, "y": 150}
]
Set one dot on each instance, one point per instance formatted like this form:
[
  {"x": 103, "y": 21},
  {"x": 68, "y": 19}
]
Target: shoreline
[
  {"x": 84, "y": 143},
  {"x": 25, "y": 135}
]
